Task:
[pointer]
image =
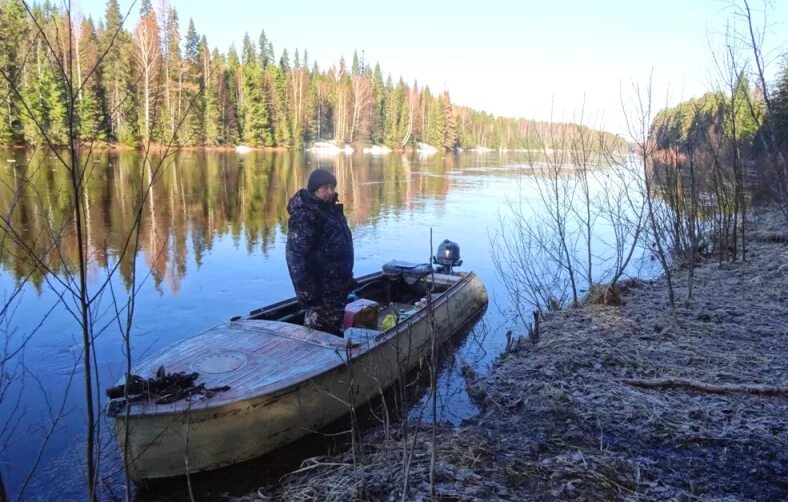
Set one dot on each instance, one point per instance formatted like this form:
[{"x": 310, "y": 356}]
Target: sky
[{"x": 565, "y": 60}]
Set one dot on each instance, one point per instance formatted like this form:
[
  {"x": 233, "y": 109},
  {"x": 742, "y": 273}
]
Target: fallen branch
[
  {"x": 708, "y": 387},
  {"x": 777, "y": 237}
]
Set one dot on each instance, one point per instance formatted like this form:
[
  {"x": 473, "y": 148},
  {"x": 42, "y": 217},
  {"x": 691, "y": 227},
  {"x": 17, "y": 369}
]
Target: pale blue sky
[{"x": 525, "y": 59}]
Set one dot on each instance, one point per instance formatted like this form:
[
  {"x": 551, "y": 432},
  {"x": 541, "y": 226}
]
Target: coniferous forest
[{"x": 156, "y": 82}]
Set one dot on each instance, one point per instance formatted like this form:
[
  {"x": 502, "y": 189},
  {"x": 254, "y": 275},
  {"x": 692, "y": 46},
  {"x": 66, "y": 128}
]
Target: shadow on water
[{"x": 246, "y": 477}]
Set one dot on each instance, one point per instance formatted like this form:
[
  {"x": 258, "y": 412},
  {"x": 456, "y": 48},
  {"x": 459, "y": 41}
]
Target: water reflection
[{"x": 194, "y": 198}]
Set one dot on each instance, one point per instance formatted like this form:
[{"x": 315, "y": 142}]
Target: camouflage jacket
[{"x": 319, "y": 248}]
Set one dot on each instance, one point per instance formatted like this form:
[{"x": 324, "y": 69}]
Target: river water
[{"x": 211, "y": 246}]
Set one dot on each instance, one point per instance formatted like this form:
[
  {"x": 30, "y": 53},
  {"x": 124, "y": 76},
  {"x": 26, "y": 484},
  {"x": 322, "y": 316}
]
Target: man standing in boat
[{"x": 320, "y": 252}]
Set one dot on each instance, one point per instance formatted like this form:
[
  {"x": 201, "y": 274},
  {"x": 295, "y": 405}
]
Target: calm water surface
[{"x": 212, "y": 246}]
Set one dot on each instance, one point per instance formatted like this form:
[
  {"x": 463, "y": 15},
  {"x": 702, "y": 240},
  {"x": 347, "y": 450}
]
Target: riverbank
[{"x": 562, "y": 419}]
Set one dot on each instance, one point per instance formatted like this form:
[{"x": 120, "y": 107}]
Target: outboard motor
[{"x": 447, "y": 257}]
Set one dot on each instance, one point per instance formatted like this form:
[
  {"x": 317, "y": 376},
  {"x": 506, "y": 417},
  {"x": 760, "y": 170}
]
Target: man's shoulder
[{"x": 301, "y": 202}]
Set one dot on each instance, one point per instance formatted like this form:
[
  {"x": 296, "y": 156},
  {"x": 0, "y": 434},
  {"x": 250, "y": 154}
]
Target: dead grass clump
[{"x": 603, "y": 294}]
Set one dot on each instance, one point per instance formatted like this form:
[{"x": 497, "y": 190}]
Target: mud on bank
[{"x": 559, "y": 420}]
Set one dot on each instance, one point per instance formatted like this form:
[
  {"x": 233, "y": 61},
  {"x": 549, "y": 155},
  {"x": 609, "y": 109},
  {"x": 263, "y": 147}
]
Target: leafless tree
[
  {"x": 77, "y": 296},
  {"x": 639, "y": 117}
]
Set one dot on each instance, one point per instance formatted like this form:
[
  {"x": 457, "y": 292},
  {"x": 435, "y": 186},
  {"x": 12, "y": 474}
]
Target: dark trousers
[{"x": 327, "y": 314}]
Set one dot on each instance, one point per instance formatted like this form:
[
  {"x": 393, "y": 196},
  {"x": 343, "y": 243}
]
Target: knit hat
[{"x": 320, "y": 177}]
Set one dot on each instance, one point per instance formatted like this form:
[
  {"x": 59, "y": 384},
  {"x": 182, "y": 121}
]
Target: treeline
[
  {"x": 742, "y": 112},
  {"x": 715, "y": 115},
  {"x": 153, "y": 85}
]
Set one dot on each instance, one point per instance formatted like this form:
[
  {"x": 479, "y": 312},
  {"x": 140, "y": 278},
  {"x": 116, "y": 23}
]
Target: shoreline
[{"x": 561, "y": 418}]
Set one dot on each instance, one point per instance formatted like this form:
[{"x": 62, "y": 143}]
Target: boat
[{"x": 265, "y": 380}]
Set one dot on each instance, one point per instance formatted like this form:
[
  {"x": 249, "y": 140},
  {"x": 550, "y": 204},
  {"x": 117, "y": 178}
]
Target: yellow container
[{"x": 388, "y": 322}]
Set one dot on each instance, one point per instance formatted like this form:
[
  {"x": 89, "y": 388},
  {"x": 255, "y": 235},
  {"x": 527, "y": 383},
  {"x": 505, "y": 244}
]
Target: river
[{"x": 211, "y": 246}]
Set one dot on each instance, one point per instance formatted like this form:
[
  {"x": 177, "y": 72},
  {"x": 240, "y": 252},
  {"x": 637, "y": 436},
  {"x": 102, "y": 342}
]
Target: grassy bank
[{"x": 567, "y": 417}]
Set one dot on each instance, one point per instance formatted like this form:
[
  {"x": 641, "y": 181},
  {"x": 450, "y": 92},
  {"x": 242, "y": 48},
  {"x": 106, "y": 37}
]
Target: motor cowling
[{"x": 448, "y": 255}]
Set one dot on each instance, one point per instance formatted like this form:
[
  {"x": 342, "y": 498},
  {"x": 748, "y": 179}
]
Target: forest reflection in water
[{"x": 195, "y": 198}]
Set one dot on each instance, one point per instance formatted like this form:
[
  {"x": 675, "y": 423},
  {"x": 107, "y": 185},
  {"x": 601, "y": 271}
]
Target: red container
[{"x": 361, "y": 314}]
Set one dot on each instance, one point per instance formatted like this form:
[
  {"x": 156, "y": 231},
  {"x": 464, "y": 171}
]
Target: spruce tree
[
  {"x": 404, "y": 115},
  {"x": 90, "y": 110},
  {"x": 231, "y": 103},
  {"x": 281, "y": 123},
  {"x": 262, "y": 47},
  {"x": 284, "y": 61},
  {"x": 256, "y": 128},
  {"x": 14, "y": 30},
  {"x": 192, "y": 129},
  {"x": 355, "y": 69},
  {"x": 118, "y": 77},
  {"x": 435, "y": 133},
  {"x": 211, "y": 85},
  {"x": 449, "y": 124},
  {"x": 379, "y": 107},
  {"x": 174, "y": 105},
  {"x": 394, "y": 101},
  {"x": 779, "y": 112}
]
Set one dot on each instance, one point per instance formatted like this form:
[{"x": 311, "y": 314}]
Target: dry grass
[{"x": 336, "y": 478}]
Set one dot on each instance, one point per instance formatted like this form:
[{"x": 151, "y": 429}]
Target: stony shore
[{"x": 563, "y": 418}]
